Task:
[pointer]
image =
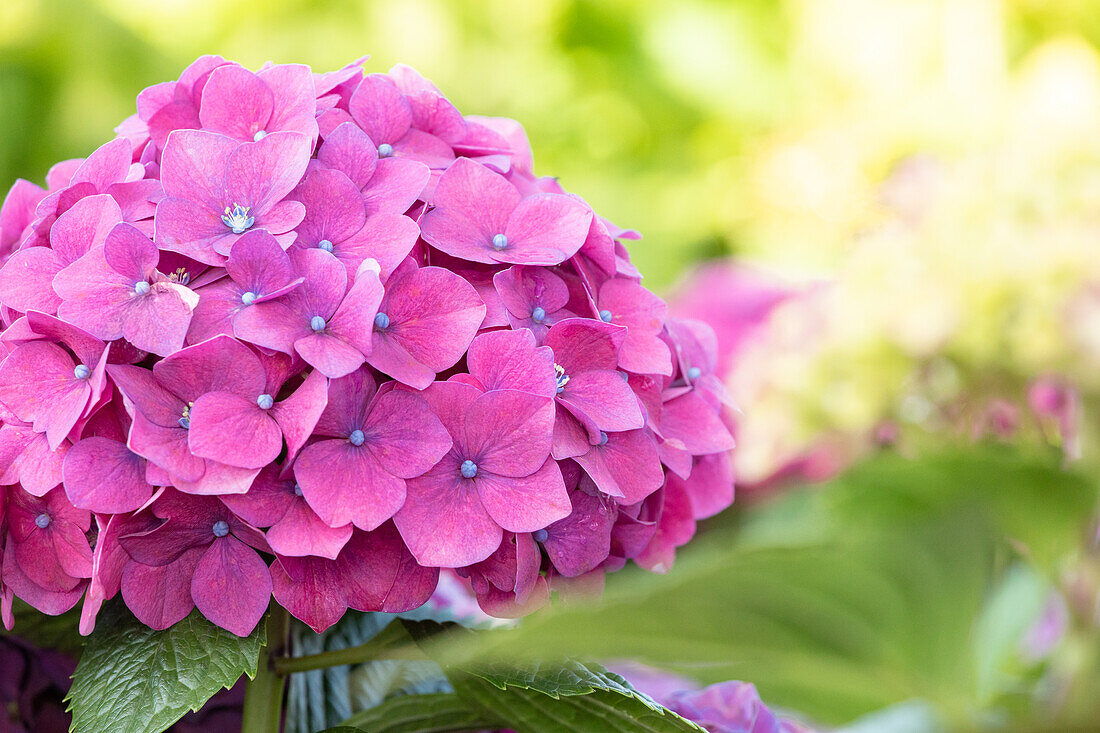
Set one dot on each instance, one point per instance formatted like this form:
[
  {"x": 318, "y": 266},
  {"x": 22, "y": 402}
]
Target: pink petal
[
  {"x": 349, "y": 150},
  {"x": 691, "y": 423},
  {"x": 190, "y": 228},
  {"x": 395, "y": 186},
  {"x": 158, "y": 321},
  {"x": 260, "y": 174},
  {"x": 108, "y": 164},
  {"x": 234, "y": 430},
  {"x": 235, "y": 102},
  {"x": 329, "y": 354},
  {"x": 509, "y": 432},
  {"x": 545, "y": 229},
  {"x": 37, "y": 382},
  {"x": 28, "y": 459},
  {"x": 298, "y": 414},
  {"x": 25, "y": 280},
  {"x": 380, "y": 109},
  {"x": 301, "y": 532},
  {"x": 604, "y": 399},
  {"x": 334, "y": 207},
  {"x": 345, "y": 483},
  {"x": 295, "y": 98},
  {"x": 161, "y": 596},
  {"x": 193, "y": 167},
  {"x": 443, "y": 521},
  {"x": 511, "y": 360},
  {"x": 104, "y": 476},
  {"x": 231, "y": 586},
  {"x": 524, "y": 504},
  {"x": 385, "y": 238},
  {"x": 473, "y": 205},
  {"x": 626, "y": 467}
]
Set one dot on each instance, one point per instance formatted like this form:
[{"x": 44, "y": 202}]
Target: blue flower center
[
  {"x": 265, "y": 401},
  {"x": 260, "y": 135},
  {"x": 82, "y": 371},
  {"x": 605, "y": 316},
  {"x": 141, "y": 288},
  {"x": 317, "y": 323},
  {"x": 694, "y": 373},
  {"x": 221, "y": 528},
  {"x": 499, "y": 242},
  {"x": 185, "y": 421},
  {"x": 468, "y": 469},
  {"x": 385, "y": 150},
  {"x": 297, "y": 490},
  {"x": 603, "y": 438},
  {"x": 357, "y": 438},
  {"x": 325, "y": 244},
  {"x": 538, "y": 314},
  {"x": 42, "y": 520},
  {"x": 561, "y": 377},
  {"x": 381, "y": 321},
  {"x": 237, "y": 218},
  {"x": 248, "y": 298},
  {"x": 540, "y": 535}
]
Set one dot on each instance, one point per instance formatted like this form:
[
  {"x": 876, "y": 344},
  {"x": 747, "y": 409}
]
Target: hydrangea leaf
[
  {"x": 132, "y": 679},
  {"x": 418, "y": 714}
]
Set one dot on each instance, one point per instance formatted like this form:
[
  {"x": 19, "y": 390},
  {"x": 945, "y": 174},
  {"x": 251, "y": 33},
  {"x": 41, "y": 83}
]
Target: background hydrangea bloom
[{"x": 318, "y": 336}]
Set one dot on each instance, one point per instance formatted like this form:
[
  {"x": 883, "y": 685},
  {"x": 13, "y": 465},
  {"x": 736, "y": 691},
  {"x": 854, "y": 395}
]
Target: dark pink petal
[
  {"x": 84, "y": 226},
  {"x": 218, "y": 303},
  {"x": 643, "y": 313},
  {"x": 104, "y": 476},
  {"x": 379, "y": 573},
  {"x": 581, "y": 541},
  {"x": 95, "y": 296},
  {"x": 236, "y": 102},
  {"x": 151, "y": 399},
  {"x": 266, "y": 501},
  {"x": 676, "y": 527},
  {"x": 231, "y": 586},
  {"x": 523, "y": 289},
  {"x": 511, "y": 360},
  {"x": 260, "y": 266},
  {"x": 218, "y": 479},
  {"x": 626, "y": 467},
  {"x": 345, "y": 483},
  {"x": 524, "y": 504},
  {"x": 49, "y": 603},
  {"x": 380, "y": 109},
  {"x": 309, "y": 589},
  {"x": 473, "y": 205},
  {"x": 130, "y": 253},
  {"x": 443, "y": 521},
  {"x": 571, "y": 438},
  {"x": 108, "y": 562},
  {"x": 349, "y": 400},
  {"x": 234, "y": 430},
  {"x": 161, "y": 596},
  {"x": 509, "y": 432},
  {"x": 545, "y": 229},
  {"x": 710, "y": 485},
  {"x": 329, "y": 354}
]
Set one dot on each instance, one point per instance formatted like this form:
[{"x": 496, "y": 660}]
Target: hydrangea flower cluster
[{"x": 320, "y": 336}]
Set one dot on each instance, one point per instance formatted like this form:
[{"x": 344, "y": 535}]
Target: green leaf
[
  {"x": 875, "y": 605},
  {"x": 132, "y": 679},
  {"x": 564, "y": 698},
  {"x": 434, "y": 713}
]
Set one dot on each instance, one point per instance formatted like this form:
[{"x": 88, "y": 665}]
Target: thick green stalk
[
  {"x": 390, "y": 643},
  {"x": 263, "y": 702}
]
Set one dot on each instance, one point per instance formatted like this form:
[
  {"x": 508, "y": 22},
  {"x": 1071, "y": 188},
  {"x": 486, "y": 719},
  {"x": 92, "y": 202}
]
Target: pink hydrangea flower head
[{"x": 321, "y": 335}]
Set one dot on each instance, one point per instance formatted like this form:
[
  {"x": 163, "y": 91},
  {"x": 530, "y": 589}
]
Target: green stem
[
  {"x": 263, "y": 701},
  {"x": 390, "y": 643}
]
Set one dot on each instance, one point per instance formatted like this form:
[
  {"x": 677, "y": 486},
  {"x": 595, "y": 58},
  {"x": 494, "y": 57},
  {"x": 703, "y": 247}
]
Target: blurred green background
[
  {"x": 666, "y": 116},
  {"x": 937, "y": 162}
]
